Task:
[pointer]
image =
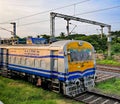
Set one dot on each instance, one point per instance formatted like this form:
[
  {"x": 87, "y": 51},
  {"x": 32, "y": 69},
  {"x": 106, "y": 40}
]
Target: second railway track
[
  {"x": 92, "y": 97},
  {"x": 105, "y": 72},
  {"x": 108, "y": 68}
]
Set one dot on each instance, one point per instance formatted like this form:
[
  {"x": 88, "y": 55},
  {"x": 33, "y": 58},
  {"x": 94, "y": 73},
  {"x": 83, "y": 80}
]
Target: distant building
[{"x": 36, "y": 41}]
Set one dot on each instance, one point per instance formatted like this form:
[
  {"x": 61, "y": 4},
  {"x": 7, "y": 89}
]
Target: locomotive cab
[{"x": 81, "y": 67}]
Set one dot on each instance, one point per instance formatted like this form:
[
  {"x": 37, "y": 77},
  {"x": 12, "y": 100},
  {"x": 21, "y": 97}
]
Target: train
[{"x": 66, "y": 66}]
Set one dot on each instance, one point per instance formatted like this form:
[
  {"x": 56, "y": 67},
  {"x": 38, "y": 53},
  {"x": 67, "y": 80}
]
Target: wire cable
[
  {"x": 33, "y": 23},
  {"x": 99, "y": 10},
  {"x": 44, "y": 12},
  {"x": 80, "y": 14},
  {"x": 5, "y": 29}
]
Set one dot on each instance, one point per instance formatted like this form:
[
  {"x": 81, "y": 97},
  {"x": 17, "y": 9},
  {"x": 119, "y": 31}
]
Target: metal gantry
[{"x": 68, "y": 18}]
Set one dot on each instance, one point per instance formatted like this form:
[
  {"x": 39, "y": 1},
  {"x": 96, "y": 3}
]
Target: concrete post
[{"x": 109, "y": 41}]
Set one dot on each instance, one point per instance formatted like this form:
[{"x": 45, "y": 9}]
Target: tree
[
  {"x": 47, "y": 37},
  {"x": 116, "y": 36},
  {"x": 116, "y": 48},
  {"x": 62, "y": 34}
]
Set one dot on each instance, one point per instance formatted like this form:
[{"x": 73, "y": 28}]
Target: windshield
[{"x": 80, "y": 55}]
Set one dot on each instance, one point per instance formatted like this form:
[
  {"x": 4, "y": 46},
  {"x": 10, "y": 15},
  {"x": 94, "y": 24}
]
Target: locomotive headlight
[
  {"x": 80, "y": 43},
  {"x": 68, "y": 52}
]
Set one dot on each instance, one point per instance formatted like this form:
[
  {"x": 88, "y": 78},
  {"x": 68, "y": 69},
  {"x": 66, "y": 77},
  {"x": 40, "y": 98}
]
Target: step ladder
[
  {"x": 5, "y": 72},
  {"x": 8, "y": 73},
  {"x": 55, "y": 85}
]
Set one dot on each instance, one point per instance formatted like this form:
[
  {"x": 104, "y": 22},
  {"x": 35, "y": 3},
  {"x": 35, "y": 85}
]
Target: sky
[{"x": 17, "y": 10}]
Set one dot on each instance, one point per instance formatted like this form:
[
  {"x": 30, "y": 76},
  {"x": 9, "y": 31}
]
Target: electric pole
[
  {"x": 101, "y": 31},
  {"x": 109, "y": 41},
  {"x": 14, "y": 29},
  {"x": 14, "y": 40},
  {"x": 67, "y": 27}
]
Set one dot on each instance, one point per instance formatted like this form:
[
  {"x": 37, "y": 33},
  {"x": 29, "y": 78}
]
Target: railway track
[
  {"x": 108, "y": 68},
  {"x": 105, "y": 72},
  {"x": 95, "y": 97},
  {"x": 103, "y": 76}
]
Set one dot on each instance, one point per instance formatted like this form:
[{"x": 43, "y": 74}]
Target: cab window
[{"x": 80, "y": 55}]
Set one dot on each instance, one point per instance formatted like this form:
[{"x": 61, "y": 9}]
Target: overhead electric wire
[
  {"x": 33, "y": 23},
  {"x": 5, "y": 29},
  {"x": 81, "y": 13},
  {"x": 53, "y": 9},
  {"x": 99, "y": 10},
  {"x": 45, "y": 11},
  {"x": 115, "y": 22}
]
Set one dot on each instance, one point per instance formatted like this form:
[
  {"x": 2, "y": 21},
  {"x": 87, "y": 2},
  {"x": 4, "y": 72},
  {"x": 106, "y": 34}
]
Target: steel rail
[{"x": 96, "y": 97}]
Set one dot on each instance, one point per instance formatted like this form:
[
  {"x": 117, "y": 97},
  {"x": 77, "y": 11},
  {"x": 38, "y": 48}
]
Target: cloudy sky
[{"x": 32, "y": 19}]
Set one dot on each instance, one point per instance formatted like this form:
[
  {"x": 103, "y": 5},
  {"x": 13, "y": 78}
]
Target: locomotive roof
[
  {"x": 55, "y": 45},
  {"x": 60, "y": 43}
]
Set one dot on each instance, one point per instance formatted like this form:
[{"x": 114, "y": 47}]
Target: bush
[
  {"x": 116, "y": 48},
  {"x": 109, "y": 62}
]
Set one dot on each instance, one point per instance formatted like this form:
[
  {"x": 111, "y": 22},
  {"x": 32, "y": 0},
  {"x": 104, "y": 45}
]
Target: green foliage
[
  {"x": 111, "y": 86},
  {"x": 116, "y": 36},
  {"x": 95, "y": 40},
  {"x": 20, "y": 92},
  {"x": 47, "y": 37},
  {"x": 108, "y": 62},
  {"x": 62, "y": 35},
  {"x": 116, "y": 48}
]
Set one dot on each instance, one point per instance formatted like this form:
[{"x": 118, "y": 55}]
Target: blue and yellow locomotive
[{"x": 67, "y": 67}]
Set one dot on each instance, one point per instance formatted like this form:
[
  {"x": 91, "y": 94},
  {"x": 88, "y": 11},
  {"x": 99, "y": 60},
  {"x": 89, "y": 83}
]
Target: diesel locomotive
[{"x": 66, "y": 67}]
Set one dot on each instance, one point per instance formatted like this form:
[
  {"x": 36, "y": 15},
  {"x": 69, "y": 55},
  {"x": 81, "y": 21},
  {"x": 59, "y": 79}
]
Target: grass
[
  {"x": 108, "y": 62},
  {"x": 20, "y": 92},
  {"x": 111, "y": 86}
]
